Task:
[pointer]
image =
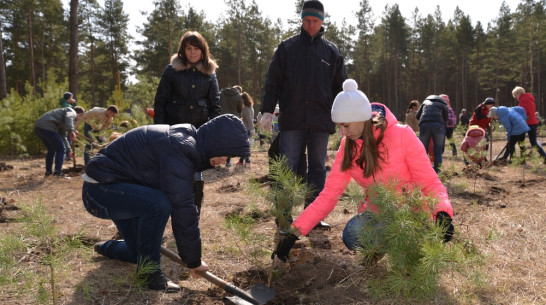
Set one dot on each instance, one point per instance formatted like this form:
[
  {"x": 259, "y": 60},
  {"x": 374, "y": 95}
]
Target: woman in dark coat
[
  {"x": 145, "y": 176},
  {"x": 188, "y": 91}
]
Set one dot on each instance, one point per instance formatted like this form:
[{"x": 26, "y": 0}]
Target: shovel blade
[{"x": 261, "y": 293}]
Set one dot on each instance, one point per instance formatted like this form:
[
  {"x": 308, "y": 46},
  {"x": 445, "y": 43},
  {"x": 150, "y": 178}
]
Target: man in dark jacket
[
  {"x": 306, "y": 73},
  {"x": 432, "y": 116},
  {"x": 145, "y": 176},
  {"x": 231, "y": 101}
]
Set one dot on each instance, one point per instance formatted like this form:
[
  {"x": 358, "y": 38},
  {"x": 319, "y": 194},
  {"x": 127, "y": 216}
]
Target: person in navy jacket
[{"x": 145, "y": 176}]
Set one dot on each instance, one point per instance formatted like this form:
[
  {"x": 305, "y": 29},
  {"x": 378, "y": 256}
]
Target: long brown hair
[
  {"x": 247, "y": 100},
  {"x": 197, "y": 40},
  {"x": 370, "y": 156}
]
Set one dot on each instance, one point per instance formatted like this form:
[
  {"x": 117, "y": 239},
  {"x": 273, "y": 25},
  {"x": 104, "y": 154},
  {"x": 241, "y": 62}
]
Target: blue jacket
[
  {"x": 513, "y": 119},
  {"x": 304, "y": 76},
  {"x": 165, "y": 157}
]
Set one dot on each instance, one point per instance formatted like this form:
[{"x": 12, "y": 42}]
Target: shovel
[{"x": 259, "y": 294}]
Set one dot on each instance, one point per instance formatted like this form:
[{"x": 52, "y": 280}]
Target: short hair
[
  {"x": 517, "y": 90},
  {"x": 79, "y": 109},
  {"x": 112, "y": 108}
]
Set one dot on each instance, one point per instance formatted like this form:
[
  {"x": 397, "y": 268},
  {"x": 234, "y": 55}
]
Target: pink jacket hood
[{"x": 405, "y": 162}]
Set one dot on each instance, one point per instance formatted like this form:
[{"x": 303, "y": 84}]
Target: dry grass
[{"x": 503, "y": 220}]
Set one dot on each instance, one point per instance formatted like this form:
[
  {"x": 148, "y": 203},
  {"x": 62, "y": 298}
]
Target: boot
[
  {"x": 453, "y": 149},
  {"x": 198, "y": 191},
  {"x": 158, "y": 281}
]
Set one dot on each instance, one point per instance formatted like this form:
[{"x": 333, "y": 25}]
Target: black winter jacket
[
  {"x": 305, "y": 75},
  {"x": 231, "y": 101},
  {"x": 433, "y": 109},
  {"x": 186, "y": 94},
  {"x": 165, "y": 157}
]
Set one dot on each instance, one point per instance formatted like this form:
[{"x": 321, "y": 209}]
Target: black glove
[
  {"x": 285, "y": 244},
  {"x": 444, "y": 220}
]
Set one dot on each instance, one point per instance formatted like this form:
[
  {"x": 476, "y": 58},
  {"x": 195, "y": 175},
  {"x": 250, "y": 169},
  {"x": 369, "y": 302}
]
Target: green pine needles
[{"x": 403, "y": 232}]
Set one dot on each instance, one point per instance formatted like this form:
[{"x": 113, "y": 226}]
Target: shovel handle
[{"x": 213, "y": 278}]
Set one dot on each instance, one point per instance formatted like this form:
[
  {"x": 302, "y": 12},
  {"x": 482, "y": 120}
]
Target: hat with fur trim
[{"x": 351, "y": 104}]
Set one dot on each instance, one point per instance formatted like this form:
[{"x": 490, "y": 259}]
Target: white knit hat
[{"x": 351, "y": 105}]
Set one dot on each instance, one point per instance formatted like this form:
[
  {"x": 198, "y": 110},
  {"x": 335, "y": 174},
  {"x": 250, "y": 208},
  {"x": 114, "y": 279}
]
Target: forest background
[{"x": 46, "y": 50}]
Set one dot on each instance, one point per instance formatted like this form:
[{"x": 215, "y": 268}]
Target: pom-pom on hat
[
  {"x": 351, "y": 105},
  {"x": 313, "y": 8},
  {"x": 67, "y": 95}
]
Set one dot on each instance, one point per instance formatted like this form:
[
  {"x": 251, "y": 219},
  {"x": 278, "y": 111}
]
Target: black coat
[
  {"x": 433, "y": 110},
  {"x": 165, "y": 157},
  {"x": 305, "y": 75},
  {"x": 186, "y": 94}
]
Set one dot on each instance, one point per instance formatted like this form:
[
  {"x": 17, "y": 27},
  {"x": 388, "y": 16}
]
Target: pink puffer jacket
[{"x": 406, "y": 162}]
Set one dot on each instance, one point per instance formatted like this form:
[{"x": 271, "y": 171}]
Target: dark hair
[
  {"x": 79, "y": 109},
  {"x": 247, "y": 100},
  {"x": 412, "y": 104},
  {"x": 197, "y": 40},
  {"x": 112, "y": 108},
  {"x": 370, "y": 155}
]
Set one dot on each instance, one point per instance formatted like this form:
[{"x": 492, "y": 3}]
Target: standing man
[
  {"x": 231, "y": 102},
  {"x": 306, "y": 73},
  {"x": 432, "y": 116},
  {"x": 97, "y": 119}
]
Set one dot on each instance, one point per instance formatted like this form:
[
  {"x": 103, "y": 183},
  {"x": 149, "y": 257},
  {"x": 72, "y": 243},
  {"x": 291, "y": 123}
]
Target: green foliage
[{"x": 403, "y": 232}]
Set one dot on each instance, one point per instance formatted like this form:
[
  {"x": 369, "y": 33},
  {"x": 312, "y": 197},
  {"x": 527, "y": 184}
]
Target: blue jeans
[
  {"x": 436, "y": 132},
  {"x": 354, "y": 229},
  {"x": 533, "y": 139},
  {"x": 140, "y": 213},
  {"x": 55, "y": 149},
  {"x": 291, "y": 144}
]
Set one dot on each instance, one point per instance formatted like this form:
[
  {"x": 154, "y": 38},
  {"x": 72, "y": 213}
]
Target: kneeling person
[{"x": 145, "y": 176}]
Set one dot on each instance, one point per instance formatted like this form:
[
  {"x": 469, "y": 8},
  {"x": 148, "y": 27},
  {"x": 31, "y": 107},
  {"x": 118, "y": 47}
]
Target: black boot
[
  {"x": 159, "y": 281},
  {"x": 453, "y": 149},
  {"x": 198, "y": 191}
]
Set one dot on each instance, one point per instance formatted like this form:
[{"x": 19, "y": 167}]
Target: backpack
[{"x": 451, "y": 119}]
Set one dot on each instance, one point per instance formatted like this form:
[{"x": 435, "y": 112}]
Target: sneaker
[
  {"x": 239, "y": 163},
  {"x": 247, "y": 164},
  {"x": 47, "y": 174},
  {"x": 159, "y": 281},
  {"x": 228, "y": 164},
  {"x": 59, "y": 175}
]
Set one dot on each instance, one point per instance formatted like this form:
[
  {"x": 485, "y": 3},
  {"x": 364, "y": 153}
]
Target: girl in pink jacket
[{"x": 381, "y": 150}]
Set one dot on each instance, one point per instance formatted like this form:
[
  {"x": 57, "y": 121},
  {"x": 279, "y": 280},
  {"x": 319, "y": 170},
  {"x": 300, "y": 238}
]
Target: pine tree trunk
[
  {"x": 73, "y": 51},
  {"x": 31, "y": 49},
  {"x": 3, "y": 80}
]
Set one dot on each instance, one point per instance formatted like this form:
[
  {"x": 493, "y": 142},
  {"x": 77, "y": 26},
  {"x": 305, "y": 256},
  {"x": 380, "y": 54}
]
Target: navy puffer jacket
[
  {"x": 165, "y": 157},
  {"x": 433, "y": 110}
]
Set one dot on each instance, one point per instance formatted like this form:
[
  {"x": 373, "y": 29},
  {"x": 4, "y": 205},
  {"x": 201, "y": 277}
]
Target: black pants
[{"x": 511, "y": 148}]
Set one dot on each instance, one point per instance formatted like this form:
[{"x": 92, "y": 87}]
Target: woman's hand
[{"x": 203, "y": 268}]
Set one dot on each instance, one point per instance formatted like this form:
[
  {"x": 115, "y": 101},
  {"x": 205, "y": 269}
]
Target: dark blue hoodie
[{"x": 165, "y": 157}]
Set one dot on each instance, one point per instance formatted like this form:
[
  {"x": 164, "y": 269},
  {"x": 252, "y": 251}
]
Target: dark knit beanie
[
  {"x": 489, "y": 101},
  {"x": 67, "y": 95},
  {"x": 312, "y": 8}
]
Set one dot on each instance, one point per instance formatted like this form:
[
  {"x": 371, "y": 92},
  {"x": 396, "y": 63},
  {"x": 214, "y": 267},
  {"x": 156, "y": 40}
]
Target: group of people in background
[
  {"x": 434, "y": 120},
  {"x": 154, "y": 172}
]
